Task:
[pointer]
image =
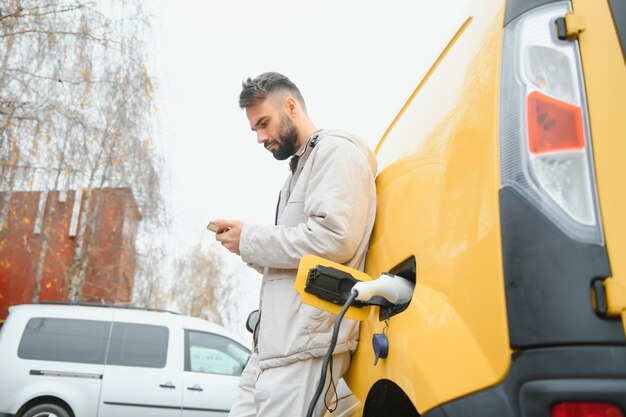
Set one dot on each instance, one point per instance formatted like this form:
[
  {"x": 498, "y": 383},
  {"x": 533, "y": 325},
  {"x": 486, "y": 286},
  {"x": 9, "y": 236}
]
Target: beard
[{"x": 286, "y": 140}]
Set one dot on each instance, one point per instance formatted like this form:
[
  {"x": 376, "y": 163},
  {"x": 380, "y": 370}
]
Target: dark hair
[{"x": 266, "y": 85}]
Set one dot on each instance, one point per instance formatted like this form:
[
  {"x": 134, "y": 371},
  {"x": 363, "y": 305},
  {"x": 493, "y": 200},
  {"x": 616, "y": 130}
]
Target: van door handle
[
  {"x": 195, "y": 388},
  {"x": 168, "y": 384}
]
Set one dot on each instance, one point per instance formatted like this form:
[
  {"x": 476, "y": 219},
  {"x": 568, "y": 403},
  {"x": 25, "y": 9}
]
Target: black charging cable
[{"x": 329, "y": 353}]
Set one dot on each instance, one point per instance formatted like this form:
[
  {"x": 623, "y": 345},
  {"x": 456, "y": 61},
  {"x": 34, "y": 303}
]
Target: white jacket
[{"x": 326, "y": 208}]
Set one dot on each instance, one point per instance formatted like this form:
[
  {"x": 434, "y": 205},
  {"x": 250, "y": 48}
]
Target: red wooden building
[{"x": 41, "y": 232}]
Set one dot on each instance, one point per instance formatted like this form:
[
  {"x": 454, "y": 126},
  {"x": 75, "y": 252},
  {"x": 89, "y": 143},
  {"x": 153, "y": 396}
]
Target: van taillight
[
  {"x": 545, "y": 150},
  {"x": 553, "y": 125},
  {"x": 585, "y": 409}
]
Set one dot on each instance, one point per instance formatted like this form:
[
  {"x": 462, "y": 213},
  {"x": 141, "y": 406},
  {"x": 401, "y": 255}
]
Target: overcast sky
[{"x": 355, "y": 61}]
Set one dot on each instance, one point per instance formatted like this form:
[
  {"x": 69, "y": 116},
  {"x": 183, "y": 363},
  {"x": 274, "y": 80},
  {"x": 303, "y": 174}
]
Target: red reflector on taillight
[
  {"x": 583, "y": 409},
  {"x": 553, "y": 125}
]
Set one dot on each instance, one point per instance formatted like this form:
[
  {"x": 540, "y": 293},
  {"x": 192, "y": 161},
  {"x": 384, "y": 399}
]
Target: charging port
[{"x": 407, "y": 269}]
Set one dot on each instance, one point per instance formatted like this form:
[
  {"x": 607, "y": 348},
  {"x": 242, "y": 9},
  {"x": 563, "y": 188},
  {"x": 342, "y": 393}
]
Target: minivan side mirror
[{"x": 253, "y": 320}]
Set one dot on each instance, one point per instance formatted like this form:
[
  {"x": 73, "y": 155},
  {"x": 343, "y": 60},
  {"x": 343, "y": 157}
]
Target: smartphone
[{"x": 213, "y": 227}]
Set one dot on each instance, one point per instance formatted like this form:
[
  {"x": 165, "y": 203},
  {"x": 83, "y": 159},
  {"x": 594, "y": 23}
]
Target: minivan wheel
[{"x": 46, "y": 410}]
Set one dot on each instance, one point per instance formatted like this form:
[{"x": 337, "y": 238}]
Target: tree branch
[{"x": 52, "y": 32}]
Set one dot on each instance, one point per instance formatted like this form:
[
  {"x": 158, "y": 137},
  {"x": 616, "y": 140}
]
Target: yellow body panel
[
  {"x": 605, "y": 81},
  {"x": 438, "y": 201}
]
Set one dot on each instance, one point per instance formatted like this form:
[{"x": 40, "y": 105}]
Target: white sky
[{"x": 355, "y": 62}]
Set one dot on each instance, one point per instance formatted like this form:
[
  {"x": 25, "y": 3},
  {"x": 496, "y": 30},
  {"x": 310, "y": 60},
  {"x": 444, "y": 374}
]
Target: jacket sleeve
[
  {"x": 257, "y": 268},
  {"x": 338, "y": 197}
]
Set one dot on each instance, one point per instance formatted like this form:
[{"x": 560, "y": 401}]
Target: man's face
[{"x": 274, "y": 129}]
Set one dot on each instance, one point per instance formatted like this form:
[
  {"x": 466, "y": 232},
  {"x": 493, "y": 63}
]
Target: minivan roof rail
[{"x": 87, "y": 304}]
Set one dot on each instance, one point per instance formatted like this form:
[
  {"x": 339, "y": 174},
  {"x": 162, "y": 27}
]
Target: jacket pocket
[
  {"x": 296, "y": 198},
  {"x": 318, "y": 321},
  {"x": 293, "y": 213}
]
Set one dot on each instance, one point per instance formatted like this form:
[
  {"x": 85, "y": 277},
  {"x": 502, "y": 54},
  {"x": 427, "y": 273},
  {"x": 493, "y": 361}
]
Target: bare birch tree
[
  {"x": 202, "y": 284},
  {"x": 76, "y": 110}
]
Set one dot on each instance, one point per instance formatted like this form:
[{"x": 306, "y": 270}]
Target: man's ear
[{"x": 291, "y": 106}]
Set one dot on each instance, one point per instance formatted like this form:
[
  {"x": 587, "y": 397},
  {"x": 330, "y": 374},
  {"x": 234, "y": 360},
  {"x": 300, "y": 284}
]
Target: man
[{"x": 326, "y": 208}]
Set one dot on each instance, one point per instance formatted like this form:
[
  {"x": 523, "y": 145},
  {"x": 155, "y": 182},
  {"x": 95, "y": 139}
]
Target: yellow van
[{"x": 502, "y": 196}]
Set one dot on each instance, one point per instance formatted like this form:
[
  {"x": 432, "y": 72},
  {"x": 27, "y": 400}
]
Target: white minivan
[{"x": 87, "y": 361}]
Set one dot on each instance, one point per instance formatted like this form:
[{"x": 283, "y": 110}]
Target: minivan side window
[
  {"x": 65, "y": 340},
  {"x": 213, "y": 354},
  {"x": 138, "y": 345}
]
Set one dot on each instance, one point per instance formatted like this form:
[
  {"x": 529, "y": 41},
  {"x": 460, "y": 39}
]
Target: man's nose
[{"x": 261, "y": 136}]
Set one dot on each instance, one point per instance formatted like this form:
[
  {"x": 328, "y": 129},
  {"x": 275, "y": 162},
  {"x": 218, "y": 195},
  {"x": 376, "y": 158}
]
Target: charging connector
[
  {"x": 394, "y": 289},
  {"x": 333, "y": 285},
  {"x": 330, "y": 284}
]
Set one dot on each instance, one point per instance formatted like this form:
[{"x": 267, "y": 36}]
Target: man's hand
[{"x": 229, "y": 234}]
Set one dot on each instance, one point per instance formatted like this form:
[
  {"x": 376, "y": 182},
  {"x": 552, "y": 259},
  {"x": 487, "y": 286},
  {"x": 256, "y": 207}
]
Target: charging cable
[{"x": 329, "y": 353}]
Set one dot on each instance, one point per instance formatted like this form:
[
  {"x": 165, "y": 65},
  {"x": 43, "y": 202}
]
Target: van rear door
[{"x": 602, "y": 55}]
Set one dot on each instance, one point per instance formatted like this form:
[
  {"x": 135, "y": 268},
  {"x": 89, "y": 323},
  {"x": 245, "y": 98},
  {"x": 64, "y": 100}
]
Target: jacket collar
[{"x": 311, "y": 141}]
